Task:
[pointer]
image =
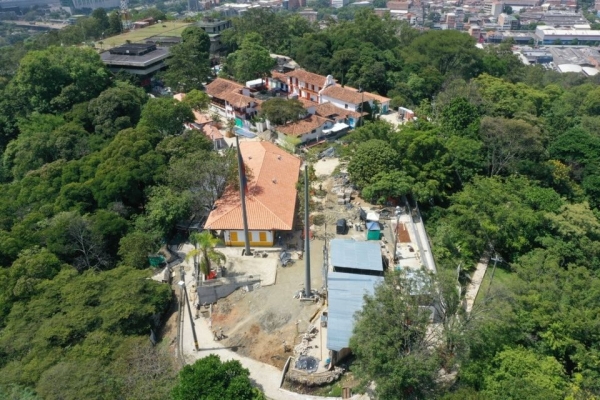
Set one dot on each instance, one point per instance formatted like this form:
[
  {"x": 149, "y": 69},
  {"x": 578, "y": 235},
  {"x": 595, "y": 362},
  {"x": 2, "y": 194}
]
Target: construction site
[{"x": 258, "y": 309}]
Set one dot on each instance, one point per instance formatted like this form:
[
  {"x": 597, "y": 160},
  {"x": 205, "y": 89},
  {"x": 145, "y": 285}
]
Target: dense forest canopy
[{"x": 503, "y": 158}]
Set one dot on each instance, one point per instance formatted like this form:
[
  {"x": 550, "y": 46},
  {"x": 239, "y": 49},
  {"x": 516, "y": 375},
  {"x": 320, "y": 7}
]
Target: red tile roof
[
  {"x": 329, "y": 110},
  {"x": 231, "y": 92},
  {"x": 271, "y": 199},
  {"x": 303, "y": 126},
  {"x": 201, "y": 119},
  {"x": 220, "y": 86},
  {"x": 212, "y": 133},
  {"x": 351, "y": 95},
  {"x": 308, "y": 77}
]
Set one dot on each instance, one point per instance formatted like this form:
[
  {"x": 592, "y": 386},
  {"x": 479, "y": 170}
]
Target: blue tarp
[
  {"x": 373, "y": 226},
  {"x": 244, "y": 132}
]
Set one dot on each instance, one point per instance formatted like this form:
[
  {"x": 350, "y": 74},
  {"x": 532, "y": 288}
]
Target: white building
[
  {"x": 339, "y": 3},
  {"x": 550, "y": 35}
]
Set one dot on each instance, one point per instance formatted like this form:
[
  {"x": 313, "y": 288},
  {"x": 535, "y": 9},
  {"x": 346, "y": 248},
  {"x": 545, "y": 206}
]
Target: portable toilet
[
  {"x": 341, "y": 227},
  {"x": 373, "y": 230}
]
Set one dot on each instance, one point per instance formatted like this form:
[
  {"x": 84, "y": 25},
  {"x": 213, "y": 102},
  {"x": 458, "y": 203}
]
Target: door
[{"x": 262, "y": 237}]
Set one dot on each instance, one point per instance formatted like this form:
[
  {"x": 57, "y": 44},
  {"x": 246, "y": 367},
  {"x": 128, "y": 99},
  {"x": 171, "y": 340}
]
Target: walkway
[{"x": 475, "y": 283}]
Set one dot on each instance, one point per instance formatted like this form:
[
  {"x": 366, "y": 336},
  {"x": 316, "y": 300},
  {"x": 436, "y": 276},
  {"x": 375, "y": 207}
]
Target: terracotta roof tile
[
  {"x": 220, "y": 86},
  {"x": 212, "y": 132},
  {"x": 271, "y": 199},
  {"x": 329, "y": 110},
  {"x": 308, "y": 77},
  {"x": 201, "y": 119},
  {"x": 302, "y": 126},
  {"x": 280, "y": 76},
  {"x": 351, "y": 95}
]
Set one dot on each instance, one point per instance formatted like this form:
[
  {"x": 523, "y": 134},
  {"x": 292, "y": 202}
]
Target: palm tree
[{"x": 204, "y": 243}]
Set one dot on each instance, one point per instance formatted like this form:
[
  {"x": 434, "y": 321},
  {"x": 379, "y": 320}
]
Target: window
[
  {"x": 314, "y": 131},
  {"x": 346, "y": 105}
]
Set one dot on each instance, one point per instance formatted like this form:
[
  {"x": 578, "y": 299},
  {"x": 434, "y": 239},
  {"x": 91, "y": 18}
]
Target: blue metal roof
[
  {"x": 348, "y": 253},
  {"x": 244, "y": 132},
  {"x": 345, "y": 297}
]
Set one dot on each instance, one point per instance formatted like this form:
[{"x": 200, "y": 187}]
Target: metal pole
[
  {"x": 242, "y": 178},
  {"x": 307, "y": 291},
  {"x": 191, "y": 319}
]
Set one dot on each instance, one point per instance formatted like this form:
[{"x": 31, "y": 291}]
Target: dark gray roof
[
  {"x": 133, "y": 60},
  {"x": 348, "y": 253},
  {"x": 345, "y": 294}
]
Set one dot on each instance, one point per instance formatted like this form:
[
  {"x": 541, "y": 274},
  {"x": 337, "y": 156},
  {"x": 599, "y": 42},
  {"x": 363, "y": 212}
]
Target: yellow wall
[{"x": 257, "y": 238}]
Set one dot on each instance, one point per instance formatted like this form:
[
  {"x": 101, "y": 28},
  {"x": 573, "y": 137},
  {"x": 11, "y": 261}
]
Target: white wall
[
  {"x": 310, "y": 136},
  {"x": 338, "y": 103},
  {"x": 254, "y": 236}
]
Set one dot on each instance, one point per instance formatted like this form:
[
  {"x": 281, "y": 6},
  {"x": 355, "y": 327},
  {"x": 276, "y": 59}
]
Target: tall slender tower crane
[{"x": 125, "y": 16}]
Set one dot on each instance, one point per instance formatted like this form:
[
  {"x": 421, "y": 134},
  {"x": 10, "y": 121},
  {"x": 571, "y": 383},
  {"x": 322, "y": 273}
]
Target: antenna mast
[{"x": 125, "y": 16}]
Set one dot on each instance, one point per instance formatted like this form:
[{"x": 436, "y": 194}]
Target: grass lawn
[
  {"x": 166, "y": 28},
  {"x": 502, "y": 278}
]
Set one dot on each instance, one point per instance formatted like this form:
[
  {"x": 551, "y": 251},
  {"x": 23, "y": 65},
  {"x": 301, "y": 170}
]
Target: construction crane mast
[{"x": 125, "y": 16}]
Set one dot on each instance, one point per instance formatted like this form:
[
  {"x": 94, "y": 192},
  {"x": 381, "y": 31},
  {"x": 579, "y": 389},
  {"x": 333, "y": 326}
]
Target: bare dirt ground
[{"x": 259, "y": 322}]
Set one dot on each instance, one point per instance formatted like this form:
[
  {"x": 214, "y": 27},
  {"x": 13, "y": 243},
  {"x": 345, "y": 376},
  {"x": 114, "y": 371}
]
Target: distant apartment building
[
  {"x": 522, "y": 3},
  {"x": 508, "y": 22},
  {"x": 550, "y": 35},
  {"x": 296, "y": 4},
  {"x": 451, "y": 20},
  {"x": 475, "y": 31},
  {"x": 339, "y": 3},
  {"x": 214, "y": 28},
  {"x": 309, "y": 14},
  {"x": 493, "y": 8},
  {"x": 399, "y": 5}
]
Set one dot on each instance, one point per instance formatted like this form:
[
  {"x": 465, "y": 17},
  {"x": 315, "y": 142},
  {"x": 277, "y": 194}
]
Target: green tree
[
  {"x": 202, "y": 176},
  {"x": 520, "y": 373},
  {"x": 114, "y": 23},
  {"x": 197, "y": 100},
  {"x": 189, "y": 66},
  {"x": 165, "y": 208},
  {"x": 370, "y": 158},
  {"x": 116, "y": 109},
  {"x": 16, "y": 392},
  {"x": 251, "y": 61},
  {"x": 57, "y": 78},
  {"x": 209, "y": 377},
  {"x": 180, "y": 146},
  {"x": 507, "y": 142},
  {"x": 448, "y": 52},
  {"x": 205, "y": 244},
  {"x": 282, "y": 111},
  {"x": 135, "y": 247},
  {"x": 125, "y": 168},
  {"x": 99, "y": 14},
  {"x": 166, "y": 116},
  {"x": 390, "y": 339},
  {"x": 386, "y": 185}
]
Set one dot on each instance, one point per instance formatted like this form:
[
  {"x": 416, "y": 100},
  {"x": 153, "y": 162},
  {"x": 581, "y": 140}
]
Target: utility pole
[
  {"x": 307, "y": 290},
  {"x": 187, "y": 299},
  {"x": 243, "y": 187},
  {"x": 495, "y": 259}
]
